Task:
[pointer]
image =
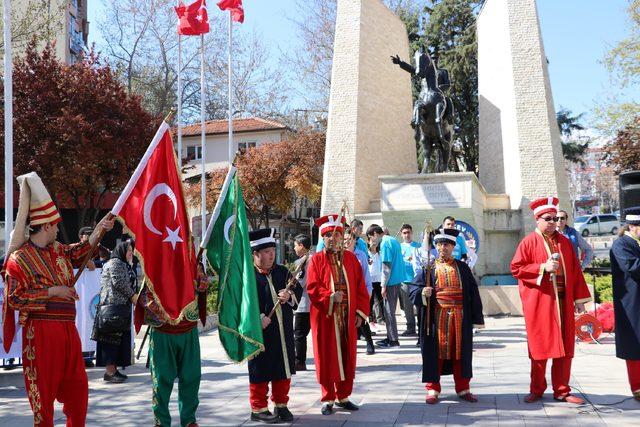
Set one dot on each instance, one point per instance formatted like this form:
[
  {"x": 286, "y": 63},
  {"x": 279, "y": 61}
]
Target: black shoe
[
  {"x": 370, "y": 349},
  {"x": 120, "y": 374},
  {"x": 300, "y": 366},
  {"x": 327, "y": 409},
  {"x": 383, "y": 343},
  {"x": 418, "y": 343},
  {"x": 408, "y": 333},
  {"x": 387, "y": 344},
  {"x": 348, "y": 405},
  {"x": 113, "y": 378},
  {"x": 283, "y": 413},
  {"x": 264, "y": 417},
  {"x": 88, "y": 363}
]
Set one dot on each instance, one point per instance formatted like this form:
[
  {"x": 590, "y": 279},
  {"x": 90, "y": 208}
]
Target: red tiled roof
[{"x": 213, "y": 127}]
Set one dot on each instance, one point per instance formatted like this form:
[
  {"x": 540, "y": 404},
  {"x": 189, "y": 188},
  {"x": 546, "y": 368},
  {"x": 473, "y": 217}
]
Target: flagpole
[
  {"x": 203, "y": 187},
  {"x": 8, "y": 126},
  {"x": 179, "y": 100},
  {"x": 231, "y": 147}
]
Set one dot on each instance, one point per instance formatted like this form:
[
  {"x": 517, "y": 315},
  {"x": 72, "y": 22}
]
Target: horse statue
[{"x": 433, "y": 112}]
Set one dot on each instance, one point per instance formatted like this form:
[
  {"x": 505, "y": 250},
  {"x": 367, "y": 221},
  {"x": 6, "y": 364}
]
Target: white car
[{"x": 588, "y": 225}]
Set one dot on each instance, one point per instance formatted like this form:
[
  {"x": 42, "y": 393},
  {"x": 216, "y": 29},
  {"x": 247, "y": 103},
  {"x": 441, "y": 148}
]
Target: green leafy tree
[{"x": 573, "y": 150}]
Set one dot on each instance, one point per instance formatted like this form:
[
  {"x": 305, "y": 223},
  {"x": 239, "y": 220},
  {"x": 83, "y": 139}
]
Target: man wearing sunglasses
[
  {"x": 552, "y": 288},
  {"x": 583, "y": 250}
]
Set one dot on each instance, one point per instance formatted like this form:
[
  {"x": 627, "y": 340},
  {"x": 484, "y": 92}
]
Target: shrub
[
  {"x": 212, "y": 296},
  {"x": 602, "y": 286}
]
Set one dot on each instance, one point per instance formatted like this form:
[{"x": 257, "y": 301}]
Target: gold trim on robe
[{"x": 276, "y": 302}]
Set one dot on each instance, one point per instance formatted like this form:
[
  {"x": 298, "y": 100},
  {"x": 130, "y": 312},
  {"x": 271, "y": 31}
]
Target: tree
[
  {"x": 615, "y": 111},
  {"x": 142, "y": 45},
  {"x": 77, "y": 128},
  {"x": 33, "y": 19},
  {"x": 274, "y": 177},
  {"x": 312, "y": 58},
  {"x": 573, "y": 150},
  {"x": 623, "y": 154}
]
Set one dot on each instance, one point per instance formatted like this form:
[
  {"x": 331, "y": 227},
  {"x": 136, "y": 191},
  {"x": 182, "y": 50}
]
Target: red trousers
[
  {"x": 340, "y": 391},
  {"x": 463, "y": 385},
  {"x": 560, "y": 373},
  {"x": 279, "y": 394},
  {"x": 53, "y": 369},
  {"x": 633, "y": 369}
]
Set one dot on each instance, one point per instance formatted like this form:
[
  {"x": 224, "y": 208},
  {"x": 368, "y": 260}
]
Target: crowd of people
[{"x": 348, "y": 289}]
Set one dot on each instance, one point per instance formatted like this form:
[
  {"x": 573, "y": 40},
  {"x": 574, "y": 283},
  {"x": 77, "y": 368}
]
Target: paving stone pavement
[{"x": 388, "y": 388}]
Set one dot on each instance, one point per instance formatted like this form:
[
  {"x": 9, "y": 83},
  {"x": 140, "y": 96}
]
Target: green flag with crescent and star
[{"x": 229, "y": 253}]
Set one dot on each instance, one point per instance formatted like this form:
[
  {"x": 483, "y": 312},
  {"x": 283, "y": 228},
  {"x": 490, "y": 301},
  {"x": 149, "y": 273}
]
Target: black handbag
[{"x": 114, "y": 318}]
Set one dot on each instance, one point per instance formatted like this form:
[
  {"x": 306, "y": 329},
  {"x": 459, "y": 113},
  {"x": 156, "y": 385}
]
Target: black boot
[
  {"x": 348, "y": 405},
  {"x": 283, "y": 413},
  {"x": 327, "y": 409},
  {"x": 370, "y": 348},
  {"x": 113, "y": 378},
  {"x": 265, "y": 417}
]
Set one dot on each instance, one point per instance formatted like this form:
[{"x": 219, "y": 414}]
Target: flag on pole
[
  {"x": 152, "y": 209},
  {"x": 229, "y": 253},
  {"x": 235, "y": 7},
  {"x": 193, "y": 19}
]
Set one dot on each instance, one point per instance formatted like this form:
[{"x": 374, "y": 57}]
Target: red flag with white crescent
[
  {"x": 193, "y": 19},
  {"x": 235, "y": 7},
  {"x": 152, "y": 209}
]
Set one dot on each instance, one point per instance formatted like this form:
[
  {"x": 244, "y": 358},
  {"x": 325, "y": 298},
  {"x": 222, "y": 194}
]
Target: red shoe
[
  {"x": 570, "y": 398},
  {"x": 468, "y": 397},
  {"x": 431, "y": 400},
  {"x": 532, "y": 397}
]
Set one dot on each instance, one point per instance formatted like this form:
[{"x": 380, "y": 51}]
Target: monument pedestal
[{"x": 416, "y": 198}]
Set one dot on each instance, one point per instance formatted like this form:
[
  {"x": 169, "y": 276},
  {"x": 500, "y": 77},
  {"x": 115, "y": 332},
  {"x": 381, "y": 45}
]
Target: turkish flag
[
  {"x": 235, "y": 7},
  {"x": 152, "y": 208},
  {"x": 193, "y": 19}
]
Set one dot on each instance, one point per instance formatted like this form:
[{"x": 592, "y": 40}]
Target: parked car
[{"x": 589, "y": 225}]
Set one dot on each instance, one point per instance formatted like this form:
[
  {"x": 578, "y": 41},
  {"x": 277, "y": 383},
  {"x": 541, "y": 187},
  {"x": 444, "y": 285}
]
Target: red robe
[
  {"x": 331, "y": 365},
  {"x": 540, "y": 305}
]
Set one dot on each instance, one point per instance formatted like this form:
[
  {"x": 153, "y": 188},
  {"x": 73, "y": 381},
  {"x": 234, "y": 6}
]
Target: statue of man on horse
[{"x": 433, "y": 112}]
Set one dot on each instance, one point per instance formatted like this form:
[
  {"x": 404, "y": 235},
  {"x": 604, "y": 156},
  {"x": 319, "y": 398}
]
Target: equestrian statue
[{"x": 433, "y": 112}]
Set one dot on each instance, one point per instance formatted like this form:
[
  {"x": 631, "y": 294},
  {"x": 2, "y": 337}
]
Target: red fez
[
  {"x": 543, "y": 206},
  {"x": 329, "y": 223}
]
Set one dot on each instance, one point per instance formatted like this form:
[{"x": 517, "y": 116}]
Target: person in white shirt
[{"x": 377, "y": 304}]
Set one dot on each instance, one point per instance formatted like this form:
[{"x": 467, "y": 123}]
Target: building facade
[
  {"x": 593, "y": 186},
  {"x": 247, "y": 133},
  {"x": 61, "y": 21}
]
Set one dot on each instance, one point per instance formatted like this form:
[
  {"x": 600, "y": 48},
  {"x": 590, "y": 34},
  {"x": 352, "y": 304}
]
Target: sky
[{"x": 576, "y": 35}]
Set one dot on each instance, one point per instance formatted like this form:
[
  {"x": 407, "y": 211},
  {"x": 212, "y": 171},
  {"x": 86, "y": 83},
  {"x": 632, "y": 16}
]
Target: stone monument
[
  {"x": 370, "y": 156},
  {"x": 370, "y": 104},
  {"x": 520, "y": 147}
]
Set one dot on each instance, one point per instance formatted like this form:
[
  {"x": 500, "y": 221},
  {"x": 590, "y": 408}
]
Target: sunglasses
[
  {"x": 562, "y": 218},
  {"x": 550, "y": 218}
]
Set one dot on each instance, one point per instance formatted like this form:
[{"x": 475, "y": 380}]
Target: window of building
[
  {"x": 194, "y": 152},
  {"x": 245, "y": 145}
]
